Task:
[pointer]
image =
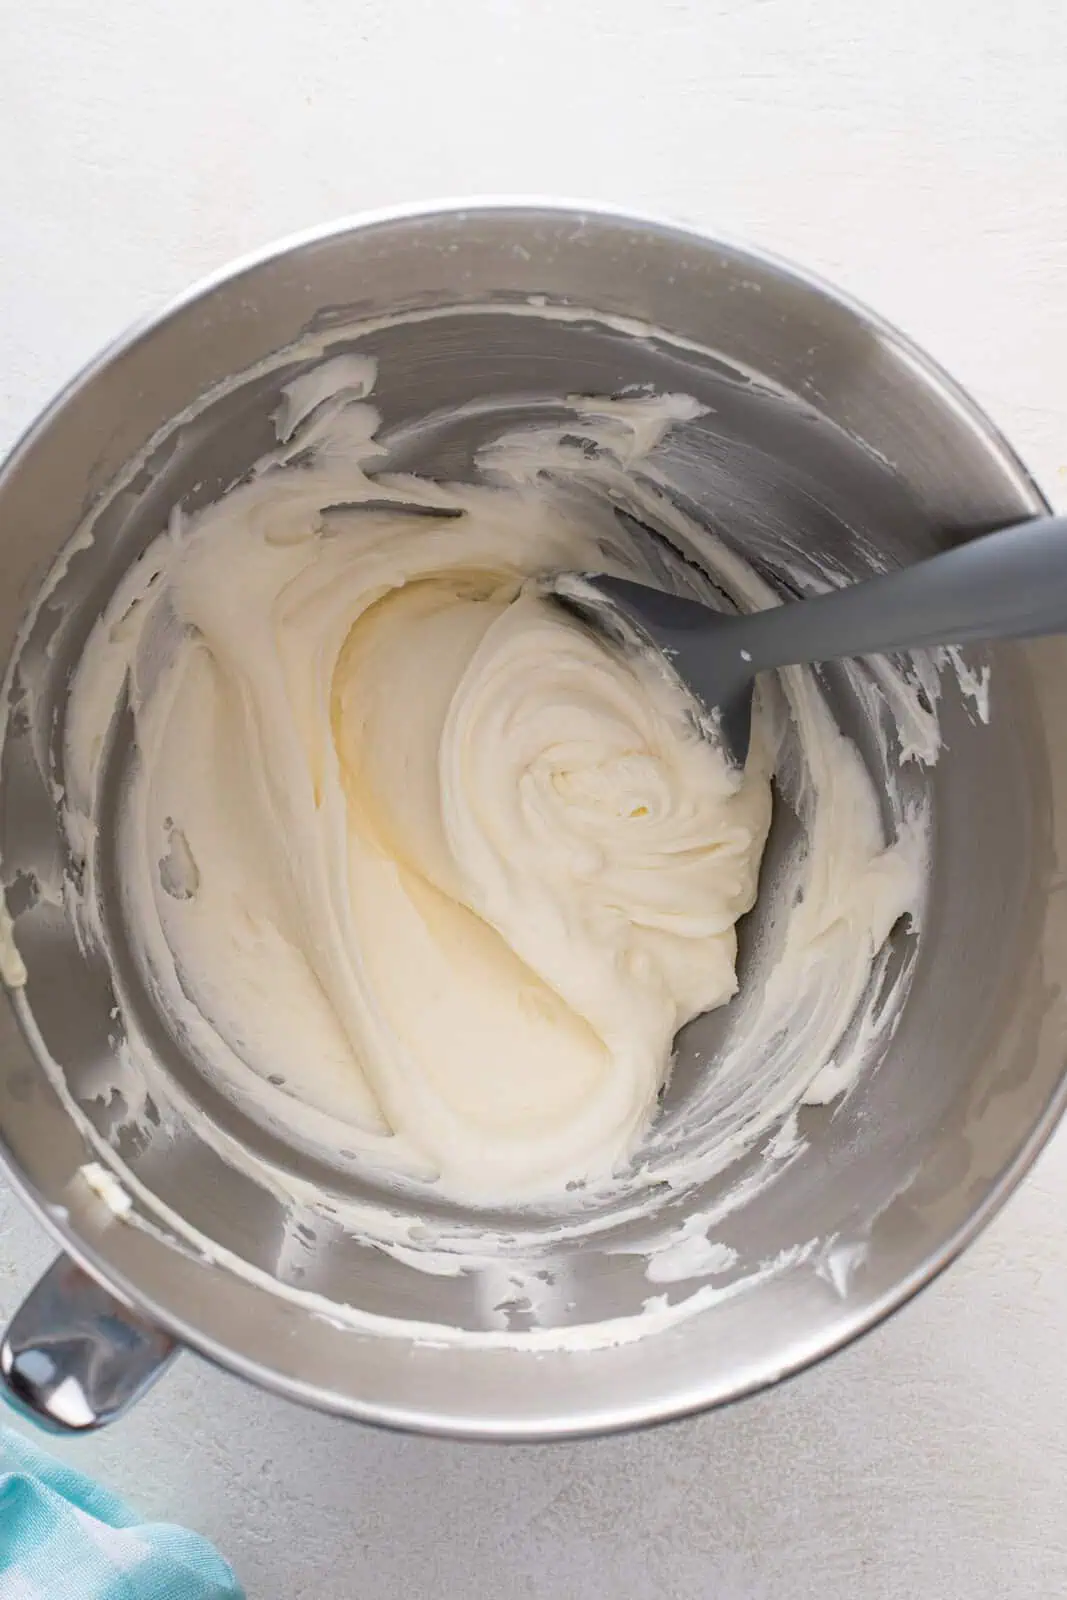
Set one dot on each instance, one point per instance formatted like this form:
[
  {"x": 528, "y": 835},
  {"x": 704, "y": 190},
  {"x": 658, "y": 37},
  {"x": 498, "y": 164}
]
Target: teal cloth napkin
[{"x": 64, "y": 1537}]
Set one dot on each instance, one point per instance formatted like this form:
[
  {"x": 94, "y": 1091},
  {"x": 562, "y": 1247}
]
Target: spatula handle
[{"x": 1011, "y": 584}]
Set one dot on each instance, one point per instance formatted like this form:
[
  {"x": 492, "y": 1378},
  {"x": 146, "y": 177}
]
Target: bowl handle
[{"x": 73, "y": 1357}]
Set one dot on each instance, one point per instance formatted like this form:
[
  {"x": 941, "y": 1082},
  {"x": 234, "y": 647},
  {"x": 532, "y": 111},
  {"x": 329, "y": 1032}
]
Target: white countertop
[{"x": 918, "y": 158}]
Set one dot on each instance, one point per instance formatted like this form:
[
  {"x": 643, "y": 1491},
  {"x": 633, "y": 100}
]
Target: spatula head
[{"x": 703, "y": 647}]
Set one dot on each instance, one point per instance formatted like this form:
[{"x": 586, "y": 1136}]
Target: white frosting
[
  {"x": 12, "y": 967},
  {"x": 407, "y": 834},
  {"x": 106, "y": 1187},
  {"x": 428, "y": 876}
]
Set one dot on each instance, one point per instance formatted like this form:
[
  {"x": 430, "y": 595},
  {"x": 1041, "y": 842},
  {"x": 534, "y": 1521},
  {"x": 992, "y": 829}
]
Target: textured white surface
[{"x": 915, "y": 153}]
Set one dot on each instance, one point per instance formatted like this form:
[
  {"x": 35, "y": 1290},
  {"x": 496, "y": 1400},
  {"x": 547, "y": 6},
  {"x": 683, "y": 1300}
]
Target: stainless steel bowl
[{"x": 822, "y": 422}]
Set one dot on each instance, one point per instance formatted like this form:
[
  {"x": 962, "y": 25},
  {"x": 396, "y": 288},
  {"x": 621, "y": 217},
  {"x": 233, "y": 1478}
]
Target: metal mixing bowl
[{"x": 822, "y": 423}]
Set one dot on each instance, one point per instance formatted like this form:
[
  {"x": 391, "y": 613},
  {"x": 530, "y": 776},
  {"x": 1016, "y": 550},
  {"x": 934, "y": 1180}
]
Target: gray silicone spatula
[{"x": 1006, "y": 585}]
